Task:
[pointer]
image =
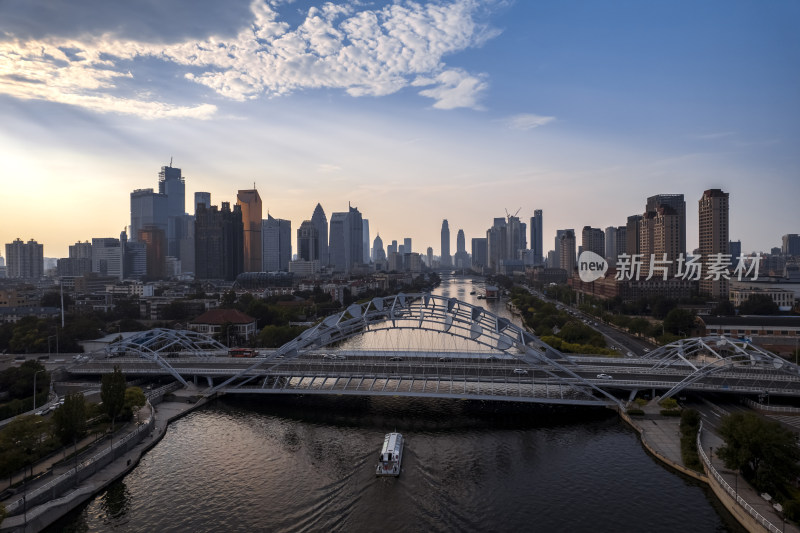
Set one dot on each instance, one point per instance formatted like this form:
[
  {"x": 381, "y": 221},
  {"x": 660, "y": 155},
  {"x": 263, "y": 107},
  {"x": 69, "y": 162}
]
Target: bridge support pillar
[
  {"x": 195, "y": 379},
  {"x": 210, "y": 381}
]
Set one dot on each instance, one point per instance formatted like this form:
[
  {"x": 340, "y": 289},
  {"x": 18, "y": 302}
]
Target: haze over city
[{"x": 411, "y": 111}]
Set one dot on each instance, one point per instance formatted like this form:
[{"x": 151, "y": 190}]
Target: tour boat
[{"x": 391, "y": 455}]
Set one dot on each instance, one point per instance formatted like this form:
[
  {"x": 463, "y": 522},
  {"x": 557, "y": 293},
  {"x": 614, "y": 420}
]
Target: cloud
[
  {"x": 365, "y": 52},
  {"x": 527, "y": 121}
]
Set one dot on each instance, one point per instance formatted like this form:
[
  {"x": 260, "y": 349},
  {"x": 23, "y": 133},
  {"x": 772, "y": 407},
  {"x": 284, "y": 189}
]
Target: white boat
[{"x": 391, "y": 455}]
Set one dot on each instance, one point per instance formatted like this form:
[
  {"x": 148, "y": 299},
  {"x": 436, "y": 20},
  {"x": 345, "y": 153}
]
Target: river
[{"x": 307, "y": 464}]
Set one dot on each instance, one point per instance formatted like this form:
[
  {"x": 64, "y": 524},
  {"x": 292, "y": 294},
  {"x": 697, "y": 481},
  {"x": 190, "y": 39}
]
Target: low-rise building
[
  {"x": 241, "y": 327},
  {"x": 783, "y": 298}
]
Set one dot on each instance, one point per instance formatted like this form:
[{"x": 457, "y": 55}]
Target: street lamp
[{"x": 34, "y": 387}]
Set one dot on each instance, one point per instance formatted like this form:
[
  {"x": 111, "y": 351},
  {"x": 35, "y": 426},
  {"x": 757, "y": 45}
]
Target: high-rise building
[
  {"x": 676, "y": 202},
  {"x": 25, "y": 259},
  {"x": 354, "y": 238},
  {"x": 107, "y": 256},
  {"x": 365, "y": 241},
  {"x": 155, "y": 241},
  {"x": 337, "y": 252},
  {"x": 714, "y": 239},
  {"x": 790, "y": 244},
  {"x": 593, "y": 240},
  {"x": 611, "y": 245},
  {"x": 276, "y": 245},
  {"x": 462, "y": 257},
  {"x": 308, "y": 242},
  {"x": 536, "y": 237},
  {"x": 148, "y": 208},
  {"x": 429, "y": 255},
  {"x": 80, "y": 250},
  {"x": 632, "y": 235},
  {"x": 445, "y": 260},
  {"x": 735, "y": 249},
  {"x": 479, "y": 253},
  {"x": 566, "y": 251},
  {"x": 378, "y": 253},
  {"x": 202, "y": 198},
  {"x": 250, "y": 203},
  {"x": 407, "y": 245},
  {"x": 320, "y": 222},
  {"x": 172, "y": 185},
  {"x": 219, "y": 242},
  {"x": 557, "y": 256}
]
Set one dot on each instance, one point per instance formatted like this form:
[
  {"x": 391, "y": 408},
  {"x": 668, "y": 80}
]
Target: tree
[
  {"x": 70, "y": 419},
  {"x": 759, "y": 304},
  {"x": 762, "y": 450},
  {"x": 679, "y": 321},
  {"x": 112, "y": 392},
  {"x": 724, "y": 308},
  {"x": 638, "y": 326},
  {"x": 134, "y": 398}
]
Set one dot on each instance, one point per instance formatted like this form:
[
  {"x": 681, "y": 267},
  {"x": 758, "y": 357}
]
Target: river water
[{"x": 307, "y": 464}]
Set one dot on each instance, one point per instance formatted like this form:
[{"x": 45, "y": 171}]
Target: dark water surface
[{"x": 307, "y": 464}]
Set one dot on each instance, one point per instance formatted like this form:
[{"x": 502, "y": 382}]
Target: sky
[{"x": 413, "y": 112}]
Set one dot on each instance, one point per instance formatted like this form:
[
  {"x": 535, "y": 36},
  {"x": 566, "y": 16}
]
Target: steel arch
[
  {"x": 438, "y": 314},
  {"x": 154, "y": 343},
  {"x": 708, "y": 356}
]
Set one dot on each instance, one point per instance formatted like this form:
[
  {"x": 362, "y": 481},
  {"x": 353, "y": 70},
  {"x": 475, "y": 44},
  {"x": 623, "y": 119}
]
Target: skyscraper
[
  {"x": 107, "y": 256},
  {"x": 676, "y": 202},
  {"x": 462, "y": 257},
  {"x": 378, "y": 253},
  {"x": 219, "y": 242},
  {"x": 611, "y": 245},
  {"x": 790, "y": 244},
  {"x": 479, "y": 253},
  {"x": 307, "y": 242},
  {"x": 365, "y": 241},
  {"x": 593, "y": 240},
  {"x": 445, "y": 260},
  {"x": 201, "y": 198},
  {"x": 337, "y": 254},
  {"x": 155, "y": 241},
  {"x": 172, "y": 185},
  {"x": 632, "y": 235},
  {"x": 536, "y": 237},
  {"x": 148, "y": 209},
  {"x": 250, "y": 203},
  {"x": 320, "y": 222},
  {"x": 276, "y": 245},
  {"x": 407, "y": 245},
  {"x": 354, "y": 238},
  {"x": 714, "y": 239},
  {"x": 25, "y": 259},
  {"x": 566, "y": 251}
]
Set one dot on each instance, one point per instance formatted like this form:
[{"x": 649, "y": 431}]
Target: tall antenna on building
[{"x": 170, "y": 161}]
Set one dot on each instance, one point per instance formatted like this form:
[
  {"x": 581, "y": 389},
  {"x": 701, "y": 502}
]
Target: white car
[
  {"x": 520, "y": 371},
  {"x": 604, "y": 376}
]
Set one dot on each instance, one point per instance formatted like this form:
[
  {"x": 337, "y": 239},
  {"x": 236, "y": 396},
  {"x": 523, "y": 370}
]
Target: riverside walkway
[
  {"x": 37, "y": 517},
  {"x": 661, "y": 436}
]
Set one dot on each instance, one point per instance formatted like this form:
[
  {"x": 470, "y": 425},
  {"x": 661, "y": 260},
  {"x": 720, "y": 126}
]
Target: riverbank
[
  {"x": 660, "y": 436},
  {"x": 37, "y": 517}
]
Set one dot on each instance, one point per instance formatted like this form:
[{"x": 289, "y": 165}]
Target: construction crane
[{"x": 515, "y": 214}]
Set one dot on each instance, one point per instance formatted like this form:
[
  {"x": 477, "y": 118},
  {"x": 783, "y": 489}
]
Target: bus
[{"x": 242, "y": 352}]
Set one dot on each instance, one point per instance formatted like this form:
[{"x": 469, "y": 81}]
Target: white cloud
[
  {"x": 371, "y": 52},
  {"x": 527, "y": 121}
]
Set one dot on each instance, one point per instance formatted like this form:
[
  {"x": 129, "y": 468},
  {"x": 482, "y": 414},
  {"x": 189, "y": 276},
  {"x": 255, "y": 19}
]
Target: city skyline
[{"x": 582, "y": 113}]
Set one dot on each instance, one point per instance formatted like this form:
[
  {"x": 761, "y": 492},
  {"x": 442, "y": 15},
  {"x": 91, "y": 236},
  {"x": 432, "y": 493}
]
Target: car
[
  {"x": 646, "y": 350},
  {"x": 395, "y": 359},
  {"x": 520, "y": 371},
  {"x": 445, "y": 359},
  {"x": 604, "y": 376},
  {"x": 629, "y": 354}
]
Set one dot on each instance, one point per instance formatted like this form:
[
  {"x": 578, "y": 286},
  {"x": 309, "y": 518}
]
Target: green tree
[
  {"x": 70, "y": 419},
  {"x": 762, "y": 450},
  {"x": 758, "y": 304},
  {"x": 134, "y": 398},
  {"x": 112, "y": 393},
  {"x": 639, "y": 326},
  {"x": 679, "y": 321},
  {"x": 724, "y": 308}
]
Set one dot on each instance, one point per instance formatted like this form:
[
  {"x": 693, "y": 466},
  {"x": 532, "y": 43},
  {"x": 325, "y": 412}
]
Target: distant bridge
[{"x": 502, "y": 361}]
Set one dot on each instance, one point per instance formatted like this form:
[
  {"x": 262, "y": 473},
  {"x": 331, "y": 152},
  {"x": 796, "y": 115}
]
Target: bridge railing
[
  {"x": 730, "y": 490},
  {"x": 772, "y": 408}
]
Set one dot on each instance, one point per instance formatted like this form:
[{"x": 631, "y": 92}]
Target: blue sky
[{"x": 411, "y": 111}]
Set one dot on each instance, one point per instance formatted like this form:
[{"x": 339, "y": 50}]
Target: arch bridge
[{"x": 495, "y": 360}]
